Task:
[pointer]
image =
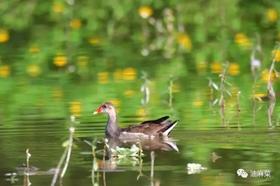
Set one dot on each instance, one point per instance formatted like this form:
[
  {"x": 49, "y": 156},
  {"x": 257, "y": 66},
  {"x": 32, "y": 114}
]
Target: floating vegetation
[
  {"x": 121, "y": 152},
  {"x": 11, "y": 177},
  {"x": 195, "y": 168}
]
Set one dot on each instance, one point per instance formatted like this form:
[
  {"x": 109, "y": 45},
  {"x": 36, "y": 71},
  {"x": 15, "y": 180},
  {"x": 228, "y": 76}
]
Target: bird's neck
[{"x": 112, "y": 129}]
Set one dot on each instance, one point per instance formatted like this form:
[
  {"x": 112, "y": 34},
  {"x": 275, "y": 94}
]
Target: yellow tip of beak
[{"x": 94, "y": 113}]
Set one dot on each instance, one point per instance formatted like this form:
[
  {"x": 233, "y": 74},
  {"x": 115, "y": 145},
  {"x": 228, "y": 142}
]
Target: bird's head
[{"x": 104, "y": 108}]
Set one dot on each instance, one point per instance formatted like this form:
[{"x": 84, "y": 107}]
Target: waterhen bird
[{"x": 145, "y": 130}]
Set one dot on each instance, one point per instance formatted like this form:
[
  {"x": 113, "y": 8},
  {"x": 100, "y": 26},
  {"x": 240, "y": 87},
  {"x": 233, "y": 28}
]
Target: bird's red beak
[{"x": 98, "y": 110}]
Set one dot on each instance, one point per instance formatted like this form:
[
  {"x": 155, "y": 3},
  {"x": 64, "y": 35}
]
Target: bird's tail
[{"x": 166, "y": 131}]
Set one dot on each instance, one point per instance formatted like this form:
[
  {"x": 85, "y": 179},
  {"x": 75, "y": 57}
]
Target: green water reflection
[{"x": 40, "y": 123}]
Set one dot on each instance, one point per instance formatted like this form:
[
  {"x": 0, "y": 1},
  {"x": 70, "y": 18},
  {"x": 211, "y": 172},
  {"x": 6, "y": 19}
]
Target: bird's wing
[{"x": 157, "y": 121}]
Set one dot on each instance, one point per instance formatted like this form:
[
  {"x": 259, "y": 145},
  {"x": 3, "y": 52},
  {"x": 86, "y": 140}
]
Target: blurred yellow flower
[
  {"x": 216, "y": 67},
  {"x": 33, "y": 70},
  {"x": 276, "y": 55},
  {"x": 117, "y": 75},
  {"x": 60, "y": 60},
  {"x": 184, "y": 40},
  {"x": 271, "y": 15},
  {"x": 75, "y": 23},
  {"x": 129, "y": 93},
  {"x": 4, "y": 35},
  {"x": 129, "y": 74},
  {"x": 5, "y": 71},
  {"x": 233, "y": 69},
  {"x": 75, "y": 108},
  {"x": 141, "y": 112},
  {"x": 58, "y": 7},
  {"x": 34, "y": 49},
  {"x": 242, "y": 40},
  {"x": 94, "y": 40},
  {"x": 265, "y": 75},
  {"x": 145, "y": 11},
  {"x": 197, "y": 103},
  {"x": 103, "y": 77}
]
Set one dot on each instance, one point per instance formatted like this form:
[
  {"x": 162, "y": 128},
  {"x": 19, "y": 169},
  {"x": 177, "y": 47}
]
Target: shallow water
[{"x": 200, "y": 137}]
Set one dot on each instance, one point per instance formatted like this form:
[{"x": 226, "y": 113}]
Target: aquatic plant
[
  {"x": 124, "y": 156},
  {"x": 94, "y": 169},
  {"x": 27, "y": 170},
  {"x": 270, "y": 89},
  {"x": 65, "y": 158},
  {"x": 223, "y": 90},
  {"x": 195, "y": 168}
]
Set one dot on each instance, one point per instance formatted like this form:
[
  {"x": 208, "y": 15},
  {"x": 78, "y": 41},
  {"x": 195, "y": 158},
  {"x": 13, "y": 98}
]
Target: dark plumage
[
  {"x": 152, "y": 127},
  {"x": 161, "y": 126}
]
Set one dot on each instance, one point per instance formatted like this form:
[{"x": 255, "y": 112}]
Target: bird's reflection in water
[
  {"x": 130, "y": 150},
  {"x": 162, "y": 143}
]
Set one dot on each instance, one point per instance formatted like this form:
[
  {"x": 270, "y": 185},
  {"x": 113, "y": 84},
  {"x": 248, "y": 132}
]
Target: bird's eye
[{"x": 104, "y": 106}]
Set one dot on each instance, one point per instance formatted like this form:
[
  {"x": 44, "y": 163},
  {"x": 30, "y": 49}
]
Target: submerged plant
[
  {"x": 65, "y": 158},
  {"x": 12, "y": 177},
  {"x": 28, "y": 156},
  {"x": 94, "y": 169}
]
